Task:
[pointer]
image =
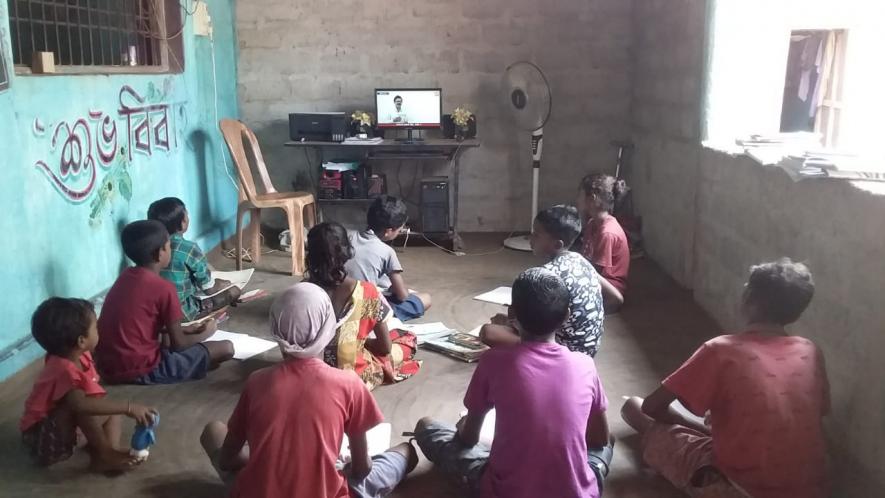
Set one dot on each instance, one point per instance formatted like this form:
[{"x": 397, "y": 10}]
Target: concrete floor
[{"x": 656, "y": 330}]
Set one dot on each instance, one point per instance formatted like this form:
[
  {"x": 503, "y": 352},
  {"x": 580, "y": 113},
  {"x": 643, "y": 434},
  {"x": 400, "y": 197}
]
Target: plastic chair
[{"x": 293, "y": 203}]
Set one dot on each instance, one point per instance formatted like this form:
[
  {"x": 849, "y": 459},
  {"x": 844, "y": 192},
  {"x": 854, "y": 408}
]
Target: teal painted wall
[{"x": 54, "y": 244}]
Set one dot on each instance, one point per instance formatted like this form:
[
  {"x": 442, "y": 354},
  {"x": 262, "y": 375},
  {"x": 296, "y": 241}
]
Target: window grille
[{"x": 124, "y": 33}]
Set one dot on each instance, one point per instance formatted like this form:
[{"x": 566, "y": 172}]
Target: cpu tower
[{"x": 435, "y": 205}]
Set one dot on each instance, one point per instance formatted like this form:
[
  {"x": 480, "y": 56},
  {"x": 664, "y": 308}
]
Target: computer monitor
[{"x": 409, "y": 108}]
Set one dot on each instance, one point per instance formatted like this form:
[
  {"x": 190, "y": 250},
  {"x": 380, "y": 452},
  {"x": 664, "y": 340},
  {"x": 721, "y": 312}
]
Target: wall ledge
[{"x": 733, "y": 150}]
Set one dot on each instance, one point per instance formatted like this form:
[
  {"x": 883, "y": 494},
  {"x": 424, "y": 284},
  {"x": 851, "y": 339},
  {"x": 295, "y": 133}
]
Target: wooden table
[{"x": 429, "y": 150}]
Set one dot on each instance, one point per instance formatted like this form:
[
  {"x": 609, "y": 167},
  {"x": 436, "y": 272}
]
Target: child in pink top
[
  {"x": 551, "y": 433},
  {"x": 765, "y": 392},
  {"x": 603, "y": 241}
]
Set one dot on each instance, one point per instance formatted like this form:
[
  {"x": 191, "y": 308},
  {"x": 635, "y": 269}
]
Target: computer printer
[{"x": 318, "y": 126}]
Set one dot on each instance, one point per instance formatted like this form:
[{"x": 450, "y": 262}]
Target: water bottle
[{"x": 143, "y": 438}]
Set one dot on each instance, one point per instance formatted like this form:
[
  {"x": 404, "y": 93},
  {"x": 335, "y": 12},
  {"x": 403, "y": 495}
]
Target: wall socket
[{"x": 202, "y": 20}]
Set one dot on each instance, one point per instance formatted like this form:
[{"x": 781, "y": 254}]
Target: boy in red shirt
[
  {"x": 141, "y": 309},
  {"x": 604, "y": 242},
  {"x": 765, "y": 392},
  {"x": 67, "y": 396}
]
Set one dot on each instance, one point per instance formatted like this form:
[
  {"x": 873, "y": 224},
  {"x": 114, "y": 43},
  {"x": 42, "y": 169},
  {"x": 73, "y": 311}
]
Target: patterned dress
[
  {"x": 348, "y": 350},
  {"x": 582, "y": 330}
]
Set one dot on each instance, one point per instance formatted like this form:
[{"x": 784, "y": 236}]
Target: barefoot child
[
  {"x": 604, "y": 242},
  {"x": 189, "y": 269},
  {"x": 362, "y": 342},
  {"x": 550, "y": 408},
  {"x": 376, "y": 262},
  {"x": 285, "y": 433},
  {"x": 554, "y": 231},
  {"x": 765, "y": 392},
  {"x": 142, "y": 339},
  {"x": 67, "y": 395}
]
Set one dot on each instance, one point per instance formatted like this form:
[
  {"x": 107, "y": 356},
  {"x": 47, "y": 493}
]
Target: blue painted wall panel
[{"x": 81, "y": 156}]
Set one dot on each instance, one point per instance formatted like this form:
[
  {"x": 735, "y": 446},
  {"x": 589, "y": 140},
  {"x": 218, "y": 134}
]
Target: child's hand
[
  {"x": 500, "y": 319},
  {"x": 235, "y": 293},
  {"x": 210, "y": 326},
  {"x": 144, "y": 415}
]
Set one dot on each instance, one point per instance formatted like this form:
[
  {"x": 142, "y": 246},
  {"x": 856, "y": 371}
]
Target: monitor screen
[{"x": 409, "y": 108}]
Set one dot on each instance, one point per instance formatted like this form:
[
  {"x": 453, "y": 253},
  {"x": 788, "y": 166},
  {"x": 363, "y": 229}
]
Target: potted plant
[
  {"x": 361, "y": 123},
  {"x": 465, "y": 123}
]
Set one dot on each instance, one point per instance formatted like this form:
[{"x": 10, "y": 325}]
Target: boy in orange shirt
[
  {"x": 67, "y": 396},
  {"x": 765, "y": 392}
]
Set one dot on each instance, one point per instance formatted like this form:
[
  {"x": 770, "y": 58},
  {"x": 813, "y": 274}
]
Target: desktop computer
[
  {"x": 435, "y": 205},
  {"x": 409, "y": 109}
]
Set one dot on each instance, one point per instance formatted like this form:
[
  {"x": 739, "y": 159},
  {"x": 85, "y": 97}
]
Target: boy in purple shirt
[{"x": 550, "y": 409}]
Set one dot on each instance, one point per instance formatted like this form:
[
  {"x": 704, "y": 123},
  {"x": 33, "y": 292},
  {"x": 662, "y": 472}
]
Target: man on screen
[{"x": 398, "y": 116}]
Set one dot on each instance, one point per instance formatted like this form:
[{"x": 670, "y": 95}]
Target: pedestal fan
[{"x": 527, "y": 96}]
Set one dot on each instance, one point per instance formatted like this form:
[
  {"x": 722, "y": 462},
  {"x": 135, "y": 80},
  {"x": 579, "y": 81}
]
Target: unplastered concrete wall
[
  {"x": 329, "y": 55},
  {"x": 666, "y": 105},
  {"x": 710, "y": 214},
  {"x": 748, "y": 213}
]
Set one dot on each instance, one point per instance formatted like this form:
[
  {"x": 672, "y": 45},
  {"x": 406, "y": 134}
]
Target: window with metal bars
[{"x": 98, "y": 36}]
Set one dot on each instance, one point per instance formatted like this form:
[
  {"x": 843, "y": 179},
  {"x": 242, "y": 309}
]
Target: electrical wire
[
  {"x": 183, "y": 20},
  {"x": 221, "y": 144},
  {"x": 462, "y": 253}
]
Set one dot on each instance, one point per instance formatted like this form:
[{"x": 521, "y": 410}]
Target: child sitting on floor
[
  {"x": 604, "y": 242},
  {"x": 188, "y": 269},
  {"x": 765, "y": 392},
  {"x": 361, "y": 312},
  {"x": 284, "y": 436},
  {"x": 141, "y": 309},
  {"x": 550, "y": 408},
  {"x": 67, "y": 396},
  {"x": 554, "y": 231},
  {"x": 376, "y": 262}
]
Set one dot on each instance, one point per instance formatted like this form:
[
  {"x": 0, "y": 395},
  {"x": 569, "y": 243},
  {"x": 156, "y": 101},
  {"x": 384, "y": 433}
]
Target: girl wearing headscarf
[
  {"x": 360, "y": 310},
  {"x": 285, "y": 434}
]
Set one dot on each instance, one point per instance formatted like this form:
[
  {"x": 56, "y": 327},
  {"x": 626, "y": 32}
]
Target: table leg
[{"x": 457, "y": 243}]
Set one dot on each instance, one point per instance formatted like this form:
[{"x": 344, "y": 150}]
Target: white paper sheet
[
  {"x": 420, "y": 329},
  {"x": 378, "y": 439},
  {"x": 427, "y": 331},
  {"x": 238, "y": 278},
  {"x": 245, "y": 346},
  {"x": 501, "y": 295}
]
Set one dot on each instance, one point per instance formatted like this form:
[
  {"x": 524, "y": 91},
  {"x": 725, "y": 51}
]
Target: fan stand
[{"x": 522, "y": 242}]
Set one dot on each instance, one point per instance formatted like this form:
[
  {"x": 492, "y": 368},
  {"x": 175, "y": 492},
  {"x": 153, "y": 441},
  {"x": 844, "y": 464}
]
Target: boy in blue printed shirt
[{"x": 189, "y": 269}]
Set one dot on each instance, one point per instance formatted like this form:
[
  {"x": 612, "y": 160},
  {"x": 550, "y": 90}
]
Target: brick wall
[
  {"x": 321, "y": 55},
  {"x": 710, "y": 215}
]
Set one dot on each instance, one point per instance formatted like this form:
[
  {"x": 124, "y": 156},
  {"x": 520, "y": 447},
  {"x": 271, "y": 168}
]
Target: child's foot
[{"x": 113, "y": 461}]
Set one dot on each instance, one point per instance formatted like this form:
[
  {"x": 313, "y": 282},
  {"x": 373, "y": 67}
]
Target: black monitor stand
[{"x": 410, "y": 140}]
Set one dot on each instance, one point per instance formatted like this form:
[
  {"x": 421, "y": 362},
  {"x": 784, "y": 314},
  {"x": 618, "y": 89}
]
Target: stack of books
[{"x": 460, "y": 346}]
